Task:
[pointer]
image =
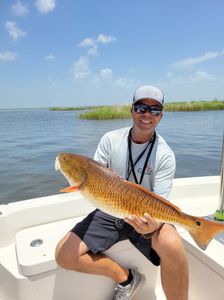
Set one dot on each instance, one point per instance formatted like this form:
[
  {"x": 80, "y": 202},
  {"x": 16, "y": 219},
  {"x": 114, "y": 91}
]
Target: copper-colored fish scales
[{"x": 118, "y": 197}]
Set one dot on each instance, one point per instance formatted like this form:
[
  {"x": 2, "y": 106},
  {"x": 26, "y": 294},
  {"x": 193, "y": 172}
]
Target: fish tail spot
[
  {"x": 198, "y": 222},
  {"x": 205, "y": 231}
]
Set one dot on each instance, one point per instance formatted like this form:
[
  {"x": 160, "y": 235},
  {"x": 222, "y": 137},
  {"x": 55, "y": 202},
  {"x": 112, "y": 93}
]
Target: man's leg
[
  {"x": 73, "y": 254},
  {"x": 174, "y": 268}
]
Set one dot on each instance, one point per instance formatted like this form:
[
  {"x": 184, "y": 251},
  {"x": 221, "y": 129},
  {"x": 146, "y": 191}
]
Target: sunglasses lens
[
  {"x": 140, "y": 108},
  {"x": 155, "y": 111}
]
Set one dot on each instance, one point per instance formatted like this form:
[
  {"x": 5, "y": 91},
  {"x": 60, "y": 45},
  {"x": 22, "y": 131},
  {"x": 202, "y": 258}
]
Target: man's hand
[{"x": 142, "y": 225}]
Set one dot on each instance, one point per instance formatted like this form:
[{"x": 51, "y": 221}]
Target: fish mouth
[
  {"x": 57, "y": 164},
  {"x": 58, "y": 168}
]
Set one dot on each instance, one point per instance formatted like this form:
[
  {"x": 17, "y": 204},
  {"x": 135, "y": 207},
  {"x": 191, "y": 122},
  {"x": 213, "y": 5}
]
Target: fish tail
[{"x": 204, "y": 231}]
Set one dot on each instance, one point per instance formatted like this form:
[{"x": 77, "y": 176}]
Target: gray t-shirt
[{"x": 112, "y": 152}]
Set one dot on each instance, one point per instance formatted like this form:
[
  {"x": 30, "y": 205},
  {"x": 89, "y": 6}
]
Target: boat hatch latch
[{"x": 36, "y": 243}]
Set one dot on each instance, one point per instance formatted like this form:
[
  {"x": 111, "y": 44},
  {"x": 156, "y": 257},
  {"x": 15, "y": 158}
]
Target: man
[{"x": 140, "y": 155}]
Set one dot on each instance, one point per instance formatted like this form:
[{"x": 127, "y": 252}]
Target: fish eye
[{"x": 198, "y": 223}]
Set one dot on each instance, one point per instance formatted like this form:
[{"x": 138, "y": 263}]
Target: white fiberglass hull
[{"x": 31, "y": 272}]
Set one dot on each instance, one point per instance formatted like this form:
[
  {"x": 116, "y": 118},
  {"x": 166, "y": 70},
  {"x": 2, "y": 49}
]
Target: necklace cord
[{"x": 133, "y": 164}]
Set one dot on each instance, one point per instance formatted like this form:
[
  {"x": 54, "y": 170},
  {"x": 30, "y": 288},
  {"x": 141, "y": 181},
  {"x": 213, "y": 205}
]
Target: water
[{"x": 31, "y": 139}]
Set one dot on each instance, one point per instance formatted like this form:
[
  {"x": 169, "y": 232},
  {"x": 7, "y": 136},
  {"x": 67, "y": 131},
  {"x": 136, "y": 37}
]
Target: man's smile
[{"x": 146, "y": 122}]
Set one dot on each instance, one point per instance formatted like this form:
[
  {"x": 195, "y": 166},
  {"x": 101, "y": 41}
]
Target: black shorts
[{"x": 99, "y": 232}]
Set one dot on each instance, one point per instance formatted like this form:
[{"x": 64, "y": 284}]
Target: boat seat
[{"x": 35, "y": 248}]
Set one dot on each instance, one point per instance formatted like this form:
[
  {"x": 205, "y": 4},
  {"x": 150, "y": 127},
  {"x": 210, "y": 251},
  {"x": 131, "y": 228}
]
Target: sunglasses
[{"x": 141, "y": 108}]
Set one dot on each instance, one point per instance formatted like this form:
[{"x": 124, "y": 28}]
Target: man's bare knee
[
  {"x": 68, "y": 251},
  {"x": 168, "y": 242}
]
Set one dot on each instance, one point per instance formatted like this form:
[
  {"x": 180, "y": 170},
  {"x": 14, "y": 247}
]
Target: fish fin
[
  {"x": 70, "y": 189},
  {"x": 204, "y": 231},
  {"x": 151, "y": 194}
]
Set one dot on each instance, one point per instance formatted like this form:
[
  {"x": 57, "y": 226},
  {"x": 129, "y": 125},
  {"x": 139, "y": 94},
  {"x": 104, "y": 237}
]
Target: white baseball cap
[{"x": 148, "y": 92}]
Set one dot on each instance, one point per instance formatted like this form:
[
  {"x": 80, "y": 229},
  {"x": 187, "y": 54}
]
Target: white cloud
[
  {"x": 14, "y": 31},
  {"x": 198, "y": 85},
  {"x": 7, "y": 56},
  {"x": 188, "y": 83},
  {"x": 189, "y": 62},
  {"x": 201, "y": 76},
  {"x": 81, "y": 68},
  {"x": 105, "y": 39},
  {"x": 88, "y": 42},
  {"x": 126, "y": 82},
  {"x": 93, "y": 44},
  {"x": 106, "y": 73},
  {"x": 45, "y": 6},
  {"x": 20, "y": 9},
  {"x": 93, "y": 51},
  {"x": 49, "y": 57},
  {"x": 101, "y": 39},
  {"x": 192, "y": 78}
]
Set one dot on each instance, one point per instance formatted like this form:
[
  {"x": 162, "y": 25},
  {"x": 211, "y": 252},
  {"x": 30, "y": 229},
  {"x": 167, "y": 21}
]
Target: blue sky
[{"x": 79, "y": 52}]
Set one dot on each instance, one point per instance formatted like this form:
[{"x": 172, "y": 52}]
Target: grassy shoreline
[
  {"x": 65, "y": 108},
  {"x": 123, "y": 111},
  {"x": 195, "y": 106}
]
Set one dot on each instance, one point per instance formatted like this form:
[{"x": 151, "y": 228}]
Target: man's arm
[
  {"x": 163, "y": 180},
  {"x": 102, "y": 154}
]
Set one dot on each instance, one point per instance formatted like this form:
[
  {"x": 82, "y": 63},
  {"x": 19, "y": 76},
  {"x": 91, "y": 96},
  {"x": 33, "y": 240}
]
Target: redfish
[{"x": 120, "y": 198}]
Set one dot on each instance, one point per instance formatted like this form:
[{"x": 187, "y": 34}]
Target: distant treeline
[{"x": 123, "y": 111}]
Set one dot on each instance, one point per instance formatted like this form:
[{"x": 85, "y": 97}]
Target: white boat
[{"x": 30, "y": 229}]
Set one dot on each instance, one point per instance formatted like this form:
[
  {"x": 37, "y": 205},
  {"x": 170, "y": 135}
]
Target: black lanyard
[{"x": 130, "y": 160}]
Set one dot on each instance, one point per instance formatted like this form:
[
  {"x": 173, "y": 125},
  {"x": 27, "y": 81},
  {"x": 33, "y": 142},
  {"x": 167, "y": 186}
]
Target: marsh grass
[
  {"x": 108, "y": 112},
  {"x": 123, "y": 111},
  {"x": 194, "y": 106}
]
